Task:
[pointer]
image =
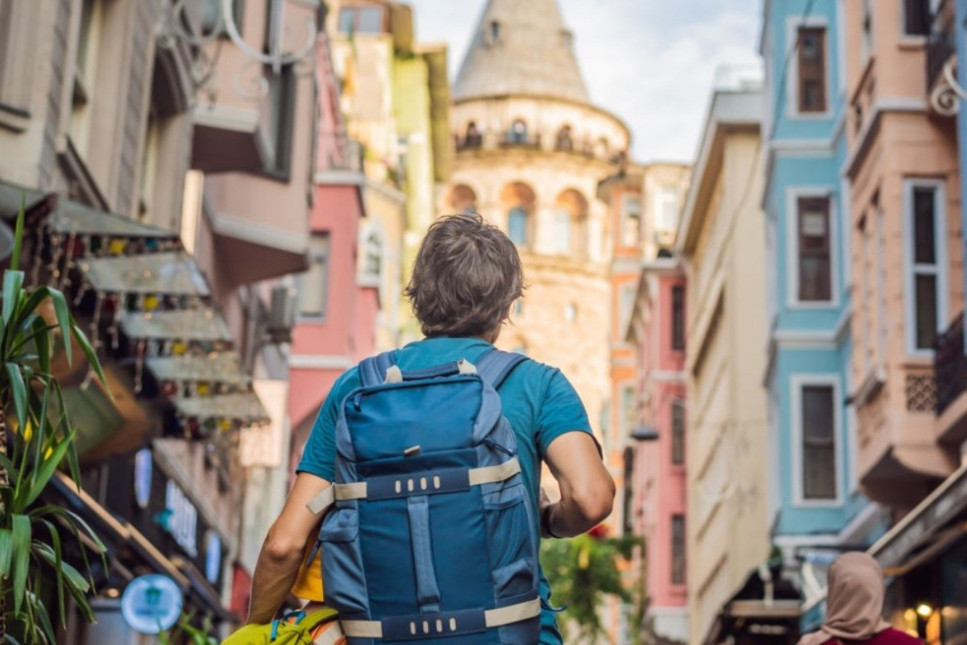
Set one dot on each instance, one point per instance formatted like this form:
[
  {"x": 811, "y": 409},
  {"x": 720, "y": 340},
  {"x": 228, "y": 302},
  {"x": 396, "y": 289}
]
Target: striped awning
[
  {"x": 204, "y": 324},
  {"x": 220, "y": 367},
  {"x": 173, "y": 274},
  {"x": 245, "y": 407}
]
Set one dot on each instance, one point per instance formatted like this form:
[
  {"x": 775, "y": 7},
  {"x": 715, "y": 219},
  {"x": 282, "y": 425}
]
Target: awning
[
  {"x": 220, "y": 367},
  {"x": 204, "y": 324},
  {"x": 926, "y": 529},
  {"x": 173, "y": 274},
  {"x": 72, "y": 217},
  {"x": 244, "y": 407}
]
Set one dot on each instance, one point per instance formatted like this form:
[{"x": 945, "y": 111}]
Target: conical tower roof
[{"x": 521, "y": 47}]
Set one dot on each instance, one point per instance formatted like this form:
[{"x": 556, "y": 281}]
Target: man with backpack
[{"x": 425, "y": 464}]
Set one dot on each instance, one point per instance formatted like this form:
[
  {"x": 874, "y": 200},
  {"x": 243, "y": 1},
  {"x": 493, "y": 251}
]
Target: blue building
[{"x": 817, "y": 507}]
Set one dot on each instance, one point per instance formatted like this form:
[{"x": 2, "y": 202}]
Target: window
[
  {"x": 630, "y": 220},
  {"x": 519, "y": 308},
  {"x": 571, "y": 313},
  {"x": 279, "y": 119},
  {"x": 517, "y": 226},
  {"x": 361, "y": 20},
  {"x": 814, "y": 249},
  {"x": 372, "y": 258},
  {"x": 818, "y": 442},
  {"x": 629, "y": 292},
  {"x": 667, "y": 210},
  {"x": 866, "y": 42},
  {"x": 562, "y": 231},
  {"x": 494, "y": 32},
  {"x": 211, "y": 16},
  {"x": 84, "y": 74},
  {"x": 678, "y": 317},
  {"x": 925, "y": 274},
  {"x": 564, "y": 139},
  {"x": 916, "y": 17},
  {"x": 517, "y": 133},
  {"x": 314, "y": 283},
  {"x": 628, "y": 493},
  {"x": 473, "y": 138},
  {"x": 812, "y": 69},
  {"x": 678, "y": 549},
  {"x": 629, "y": 412},
  {"x": 678, "y": 432}
]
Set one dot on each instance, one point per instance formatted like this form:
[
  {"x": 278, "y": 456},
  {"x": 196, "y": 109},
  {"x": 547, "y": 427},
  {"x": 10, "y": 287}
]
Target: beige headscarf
[{"x": 854, "y": 601}]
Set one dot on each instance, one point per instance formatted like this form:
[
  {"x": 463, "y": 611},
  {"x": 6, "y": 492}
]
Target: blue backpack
[{"x": 431, "y": 536}]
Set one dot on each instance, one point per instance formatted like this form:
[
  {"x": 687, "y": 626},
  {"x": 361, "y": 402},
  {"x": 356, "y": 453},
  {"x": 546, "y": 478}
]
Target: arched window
[
  {"x": 564, "y": 141},
  {"x": 570, "y": 223},
  {"x": 517, "y": 225},
  {"x": 517, "y": 199},
  {"x": 462, "y": 199},
  {"x": 518, "y": 132},
  {"x": 473, "y": 138}
]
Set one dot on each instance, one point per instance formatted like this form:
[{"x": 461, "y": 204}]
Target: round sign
[
  {"x": 151, "y": 604},
  {"x": 213, "y": 557},
  {"x": 142, "y": 477}
]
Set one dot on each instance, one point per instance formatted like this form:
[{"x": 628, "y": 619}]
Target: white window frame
[
  {"x": 792, "y": 81},
  {"x": 326, "y": 280},
  {"x": 940, "y": 267},
  {"x": 796, "y": 384},
  {"x": 563, "y": 222},
  {"x": 793, "y": 195},
  {"x": 367, "y": 232}
]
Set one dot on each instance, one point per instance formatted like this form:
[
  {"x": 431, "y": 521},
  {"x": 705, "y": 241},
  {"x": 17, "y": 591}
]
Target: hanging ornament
[
  {"x": 225, "y": 424},
  {"x": 68, "y": 262},
  {"x": 203, "y": 389},
  {"x": 118, "y": 303},
  {"x": 170, "y": 388},
  {"x": 117, "y": 246},
  {"x": 179, "y": 348},
  {"x": 139, "y": 365},
  {"x": 39, "y": 233},
  {"x": 96, "y": 320},
  {"x": 151, "y": 303},
  {"x": 56, "y": 252}
]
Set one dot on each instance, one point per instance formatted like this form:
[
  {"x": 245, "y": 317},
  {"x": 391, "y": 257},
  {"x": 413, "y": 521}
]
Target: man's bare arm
[
  {"x": 587, "y": 490},
  {"x": 282, "y": 553}
]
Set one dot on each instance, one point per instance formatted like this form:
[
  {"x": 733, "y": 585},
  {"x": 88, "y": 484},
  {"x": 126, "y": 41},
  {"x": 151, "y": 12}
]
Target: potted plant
[{"x": 36, "y": 440}]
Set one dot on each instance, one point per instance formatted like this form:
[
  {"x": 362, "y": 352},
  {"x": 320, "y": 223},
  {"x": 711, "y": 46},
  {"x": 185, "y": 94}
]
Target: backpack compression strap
[
  {"x": 372, "y": 371},
  {"x": 495, "y": 366}
]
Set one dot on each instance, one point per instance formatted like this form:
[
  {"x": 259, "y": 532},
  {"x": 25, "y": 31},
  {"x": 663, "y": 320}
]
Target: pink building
[
  {"x": 655, "y": 501},
  {"x": 339, "y": 294}
]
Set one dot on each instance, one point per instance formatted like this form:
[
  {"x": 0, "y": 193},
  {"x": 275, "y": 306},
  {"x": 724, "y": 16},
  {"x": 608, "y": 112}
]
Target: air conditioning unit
[{"x": 281, "y": 315}]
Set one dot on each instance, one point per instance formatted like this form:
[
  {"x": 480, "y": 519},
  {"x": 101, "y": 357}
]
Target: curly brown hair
[{"x": 466, "y": 277}]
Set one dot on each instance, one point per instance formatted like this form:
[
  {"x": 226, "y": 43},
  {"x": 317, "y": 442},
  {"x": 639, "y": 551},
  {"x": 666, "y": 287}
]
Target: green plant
[
  {"x": 186, "y": 633},
  {"x": 33, "y": 535},
  {"x": 583, "y": 571}
]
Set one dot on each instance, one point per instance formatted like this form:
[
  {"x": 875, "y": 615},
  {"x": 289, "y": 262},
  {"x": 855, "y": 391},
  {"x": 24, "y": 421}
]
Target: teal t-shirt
[{"x": 538, "y": 400}]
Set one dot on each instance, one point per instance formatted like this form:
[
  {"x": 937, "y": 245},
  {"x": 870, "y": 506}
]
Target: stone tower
[{"x": 530, "y": 151}]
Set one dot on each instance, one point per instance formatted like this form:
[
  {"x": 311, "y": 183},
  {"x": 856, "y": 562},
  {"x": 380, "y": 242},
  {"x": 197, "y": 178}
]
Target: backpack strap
[
  {"x": 495, "y": 366},
  {"x": 372, "y": 371}
]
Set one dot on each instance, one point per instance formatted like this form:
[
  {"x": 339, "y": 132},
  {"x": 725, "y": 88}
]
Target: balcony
[
  {"x": 941, "y": 47},
  {"x": 950, "y": 367},
  {"x": 520, "y": 140}
]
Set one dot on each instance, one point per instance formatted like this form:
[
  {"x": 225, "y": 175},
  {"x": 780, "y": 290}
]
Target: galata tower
[{"x": 530, "y": 151}]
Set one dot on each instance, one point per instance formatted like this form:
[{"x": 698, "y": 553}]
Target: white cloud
[{"x": 651, "y": 62}]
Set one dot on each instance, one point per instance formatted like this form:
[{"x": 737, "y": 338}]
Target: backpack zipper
[{"x": 490, "y": 443}]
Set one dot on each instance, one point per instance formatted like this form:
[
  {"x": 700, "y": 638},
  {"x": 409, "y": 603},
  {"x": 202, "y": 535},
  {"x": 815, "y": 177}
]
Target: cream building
[
  {"x": 530, "y": 151},
  {"x": 720, "y": 240}
]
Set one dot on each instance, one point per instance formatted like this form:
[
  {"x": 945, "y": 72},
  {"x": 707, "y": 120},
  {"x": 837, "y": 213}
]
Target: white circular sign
[
  {"x": 142, "y": 477},
  {"x": 151, "y": 604}
]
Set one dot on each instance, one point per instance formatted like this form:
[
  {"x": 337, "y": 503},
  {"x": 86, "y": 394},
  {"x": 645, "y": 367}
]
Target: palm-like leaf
[{"x": 32, "y": 536}]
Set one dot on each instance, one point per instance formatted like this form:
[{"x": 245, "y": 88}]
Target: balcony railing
[
  {"x": 950, "y": 364},
  {"x": 520, "y": 140},
  {"x": 940, "y": 43}
]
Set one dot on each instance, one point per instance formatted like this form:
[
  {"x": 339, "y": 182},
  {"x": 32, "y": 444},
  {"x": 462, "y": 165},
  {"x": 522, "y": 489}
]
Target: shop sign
[
  {"x": 181, "y": 518},
  {"x": 151, "y": 604},
  {"x": 142, "y": 477}
]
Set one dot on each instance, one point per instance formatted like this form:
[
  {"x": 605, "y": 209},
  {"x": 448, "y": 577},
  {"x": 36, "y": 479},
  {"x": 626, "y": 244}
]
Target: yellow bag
[{"x": 295, "y": 628}]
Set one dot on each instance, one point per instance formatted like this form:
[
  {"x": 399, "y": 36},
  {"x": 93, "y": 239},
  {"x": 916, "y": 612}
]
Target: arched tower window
[
  {"x": 473, "y": 138},
  {"x": 518, "y": 201},
  {"x": 462, "y": 199},
  {"x": 570, "y": 223},
  {"x": 517, "y": 134},
  {"x": 564, "y": 140}
]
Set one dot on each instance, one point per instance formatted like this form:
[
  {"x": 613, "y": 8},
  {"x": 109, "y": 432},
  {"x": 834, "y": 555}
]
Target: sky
[{"x": 668, "y": 50}]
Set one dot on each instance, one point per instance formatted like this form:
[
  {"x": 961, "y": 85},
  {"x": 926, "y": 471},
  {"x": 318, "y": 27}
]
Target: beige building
[
  {"x": 720, "y": 240},
  {"x": 530, "y": 151},
  {"x": 395, "y": 99}
]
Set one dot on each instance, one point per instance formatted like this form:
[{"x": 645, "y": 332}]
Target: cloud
[{"x": 650, "y": 62}]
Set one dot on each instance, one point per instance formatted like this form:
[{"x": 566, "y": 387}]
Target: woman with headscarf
[{"x": 854, "y": 606}]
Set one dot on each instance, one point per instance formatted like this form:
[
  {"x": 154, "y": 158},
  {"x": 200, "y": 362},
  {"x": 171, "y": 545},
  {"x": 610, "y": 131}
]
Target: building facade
[
  {"x": 646, "y": 429},
  {"x": 719, "y": 242},
  {"x": 924, "y": 552},
  {"x": 816, "y": 506},
  {"x": 530, "y": 151},
  {"x": 153, "y": 173}
]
